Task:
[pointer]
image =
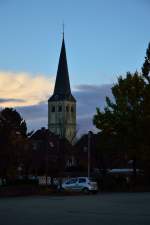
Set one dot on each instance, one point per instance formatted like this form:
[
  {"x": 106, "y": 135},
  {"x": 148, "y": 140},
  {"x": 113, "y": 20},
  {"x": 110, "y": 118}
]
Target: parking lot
[{"x": 104, "y": 209}]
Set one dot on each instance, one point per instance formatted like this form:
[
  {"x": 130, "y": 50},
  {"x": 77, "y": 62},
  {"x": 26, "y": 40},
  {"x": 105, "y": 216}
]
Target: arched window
[
  {"x": 72, "y": 109},
  {"x": 53, "y": 109},
  {"x": 67, "y": 108},
  {"x": 59, "y": 108}
]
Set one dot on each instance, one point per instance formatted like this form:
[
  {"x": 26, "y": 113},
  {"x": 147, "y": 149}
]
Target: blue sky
[{"x": 104, "y": 39}]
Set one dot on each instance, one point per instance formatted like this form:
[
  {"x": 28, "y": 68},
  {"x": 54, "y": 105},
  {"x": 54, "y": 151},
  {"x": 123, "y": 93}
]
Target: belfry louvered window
[
  {"x": 72, "y": 109},
  {"x": 53, "y": 109},
  {"x": 67, "y": 108},
  {"x": 59, "y": 108}
]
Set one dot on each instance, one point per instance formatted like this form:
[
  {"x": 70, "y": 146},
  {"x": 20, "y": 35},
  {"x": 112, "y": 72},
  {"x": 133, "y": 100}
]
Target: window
[
  {"x": 72, "y": 109},
  {"x": 82, "y": 180},
  {"x": 53, "y": 109},
  {"x": 59, "y": 108},
  {"x": 71, "y": 181},
  {"x": 67, "y": 108}
]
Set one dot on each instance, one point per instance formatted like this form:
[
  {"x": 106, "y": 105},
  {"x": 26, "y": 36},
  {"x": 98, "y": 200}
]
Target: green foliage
[
  {"x": 146, "y": 65},
  {"x": 13, "y": 141},
  {"x": 125, "y": 110},
  {"x": 11, "y": 120},
  {"x": 127, "y": 116}
]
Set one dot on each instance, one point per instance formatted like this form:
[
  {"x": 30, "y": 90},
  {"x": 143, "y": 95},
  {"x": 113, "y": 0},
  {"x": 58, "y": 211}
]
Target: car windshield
[
  {"x": 71, "y": 181},
  {"x": 82, "y": 180}
]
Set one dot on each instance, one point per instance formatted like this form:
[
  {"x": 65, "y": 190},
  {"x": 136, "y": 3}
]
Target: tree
[
  {"x": 146, "y": 65},
  {"x": 127, "y": 116},
  {"x": 128, "y": 98},
  {"x": 13, "y": 142},
  {"x": 12, "y": 120}
]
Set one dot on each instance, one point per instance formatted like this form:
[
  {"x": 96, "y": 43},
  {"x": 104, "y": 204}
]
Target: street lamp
[
  {"x": 89, "y": 153},
  {"x": 49, "y": 146}
]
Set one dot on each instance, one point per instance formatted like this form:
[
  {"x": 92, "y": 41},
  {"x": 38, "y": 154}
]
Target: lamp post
[
  {"x": 89, "y": 153},
  {"x": 49, "y": 146},
  {"x": 47, "y": 155}
]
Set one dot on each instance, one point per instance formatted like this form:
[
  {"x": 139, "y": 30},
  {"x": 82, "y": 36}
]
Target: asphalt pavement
[{"x": 101, "y": 209}]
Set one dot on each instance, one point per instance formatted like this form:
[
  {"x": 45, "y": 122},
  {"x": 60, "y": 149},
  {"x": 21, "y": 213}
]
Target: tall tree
[
  {"x": 13, "y": 121},
  {"x": 13, "y": 141},
  {"x": 146, "y": 65},
  {"x": 125, "y": 116}
]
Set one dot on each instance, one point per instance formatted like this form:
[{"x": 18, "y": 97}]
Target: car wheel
[
  {"x": 94, "y": 192},
  {"x": 60, "y": 189},
  {"x": 85, "y": 190}
]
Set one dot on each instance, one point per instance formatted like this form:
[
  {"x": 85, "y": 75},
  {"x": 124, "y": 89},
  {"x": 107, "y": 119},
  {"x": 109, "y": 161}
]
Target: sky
[{"x": 104, "y": 39}]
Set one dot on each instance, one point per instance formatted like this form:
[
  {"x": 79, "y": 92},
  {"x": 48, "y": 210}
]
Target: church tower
[{"x": 62, "y": 104}]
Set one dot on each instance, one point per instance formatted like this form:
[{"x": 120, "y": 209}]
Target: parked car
[{"x": 84, "y": 184}]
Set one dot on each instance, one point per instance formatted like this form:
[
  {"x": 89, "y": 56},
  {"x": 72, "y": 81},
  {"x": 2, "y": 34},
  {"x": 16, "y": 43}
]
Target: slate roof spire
[
  {"x": 62, "y": 84},
  {"x": 62, "y": 90}
]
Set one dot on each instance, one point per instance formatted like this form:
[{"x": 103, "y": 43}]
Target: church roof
[{"x": 62, "y": 90}]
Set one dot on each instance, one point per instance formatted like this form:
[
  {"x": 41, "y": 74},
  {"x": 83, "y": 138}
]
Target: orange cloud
[{"x": 24, "y": 89}]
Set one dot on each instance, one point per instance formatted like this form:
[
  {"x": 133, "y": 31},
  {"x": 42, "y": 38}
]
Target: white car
[{"x": 84, "y": 184}]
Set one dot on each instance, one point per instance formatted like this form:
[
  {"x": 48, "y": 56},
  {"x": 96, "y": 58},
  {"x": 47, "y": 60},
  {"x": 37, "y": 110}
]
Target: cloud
[
  {"x": 4, "y": 100},
  {"x": 88, "y": 98},
  {"x": 23, "y": 89},
  {"x": 38, "y": 111},
  {"x": 29, "y": 95}
]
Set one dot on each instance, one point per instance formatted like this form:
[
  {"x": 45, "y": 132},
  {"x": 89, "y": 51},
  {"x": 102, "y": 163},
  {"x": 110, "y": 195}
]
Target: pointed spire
[
  {"x": 62, "y": 90},
  {"x": 62, "y": 84},
  {"x": 63, "y": 30}
]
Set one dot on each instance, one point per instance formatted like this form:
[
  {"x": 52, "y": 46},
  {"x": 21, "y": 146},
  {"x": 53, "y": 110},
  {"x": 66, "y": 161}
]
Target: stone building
[{"x": 62, "y": 104}]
